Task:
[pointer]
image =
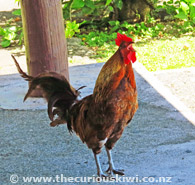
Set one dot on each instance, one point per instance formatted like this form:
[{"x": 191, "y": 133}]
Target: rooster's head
[{"x": 125, "y": 47}]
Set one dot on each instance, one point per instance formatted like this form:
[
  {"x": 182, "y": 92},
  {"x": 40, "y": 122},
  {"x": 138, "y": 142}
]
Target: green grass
[
  {"x": 159, "y": 46},
  {"x": 159, "y": 54},
  {"x": 167, "y": 54}
]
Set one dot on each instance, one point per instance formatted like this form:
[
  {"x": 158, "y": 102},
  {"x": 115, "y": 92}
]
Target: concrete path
[{"x": 159, "y": 142}]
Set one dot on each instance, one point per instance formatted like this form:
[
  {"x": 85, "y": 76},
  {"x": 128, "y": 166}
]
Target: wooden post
[{"x": 44, "y": 37}]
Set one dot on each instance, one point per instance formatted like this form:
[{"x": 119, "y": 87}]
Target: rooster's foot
[{"x": 115, "y": 171}]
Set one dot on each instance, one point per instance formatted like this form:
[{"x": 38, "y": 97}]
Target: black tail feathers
[
  {"x": 22, "y": 73},
  {"x": 56, "y": 90}
]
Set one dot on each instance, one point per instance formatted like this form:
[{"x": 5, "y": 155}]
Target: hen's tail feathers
[{"x": 22, "y": 73}]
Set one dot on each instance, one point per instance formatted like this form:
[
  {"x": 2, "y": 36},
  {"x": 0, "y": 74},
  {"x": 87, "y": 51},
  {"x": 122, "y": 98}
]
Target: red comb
[{"x": 121, "y": 38}]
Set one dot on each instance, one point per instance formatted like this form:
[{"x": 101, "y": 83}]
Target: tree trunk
[
  {"x": 135, "y": 11},
  {"x": 44, "y": 37}
]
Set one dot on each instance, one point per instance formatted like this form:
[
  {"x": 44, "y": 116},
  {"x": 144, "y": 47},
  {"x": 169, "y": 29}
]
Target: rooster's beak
[{"x": 129, "y": 47}]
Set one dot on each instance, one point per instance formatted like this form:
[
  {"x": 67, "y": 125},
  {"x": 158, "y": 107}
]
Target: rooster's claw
[{"x": 115, "y": 171}]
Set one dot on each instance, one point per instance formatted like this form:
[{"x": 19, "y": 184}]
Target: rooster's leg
[
  {"x": 111, "y": 168},
  {"x": 99, "y": 169}
]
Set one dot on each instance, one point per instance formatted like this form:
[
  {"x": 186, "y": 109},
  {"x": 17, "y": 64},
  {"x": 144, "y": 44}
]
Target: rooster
[{"x": 100, "y": 118}]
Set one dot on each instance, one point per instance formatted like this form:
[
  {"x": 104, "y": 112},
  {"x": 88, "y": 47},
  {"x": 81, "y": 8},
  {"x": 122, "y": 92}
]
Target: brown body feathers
[{"x": 100, "y": 118}]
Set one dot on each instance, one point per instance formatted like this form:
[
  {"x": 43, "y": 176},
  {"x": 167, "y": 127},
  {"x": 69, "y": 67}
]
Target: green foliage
[
  {"x": 89, "y": 8},
  {"x": 108, "y": 2},
  {"x": 11, "y": 34},
  {"x": 76, "y": 4},
  {"x": 170, "y": 6},
  {"x": 186, "y": 11},
  {"x": 96, "y": 38},
  {"x": 138, "y": 29},
  {"x": 183, "y": 9},
  {"x": 86, "y": 7},
  {"x": 71, "y": 29},
  {"x": 17, "y": 12}
]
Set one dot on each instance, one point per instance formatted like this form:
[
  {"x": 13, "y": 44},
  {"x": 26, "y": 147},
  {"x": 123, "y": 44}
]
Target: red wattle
[{"x": 130, "y": 57}]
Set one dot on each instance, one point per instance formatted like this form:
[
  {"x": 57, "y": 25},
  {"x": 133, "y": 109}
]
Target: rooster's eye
[{"x": 124, "y": 45}]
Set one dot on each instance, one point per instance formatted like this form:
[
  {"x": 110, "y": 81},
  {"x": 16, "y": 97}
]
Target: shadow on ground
[{"x": 159, "y": 142}]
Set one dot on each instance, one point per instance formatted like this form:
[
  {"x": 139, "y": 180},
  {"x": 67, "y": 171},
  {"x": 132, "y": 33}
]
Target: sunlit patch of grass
[
  {"x": 167, "y": 54},
  {"x": 158, "y": 54}
]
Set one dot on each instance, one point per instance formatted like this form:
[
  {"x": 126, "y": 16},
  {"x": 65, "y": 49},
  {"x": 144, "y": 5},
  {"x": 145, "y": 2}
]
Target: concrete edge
[{"x": 165, "y": 92}]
